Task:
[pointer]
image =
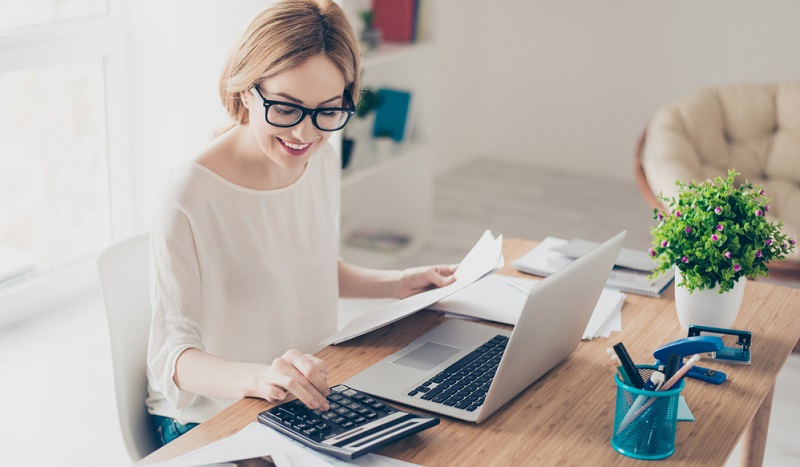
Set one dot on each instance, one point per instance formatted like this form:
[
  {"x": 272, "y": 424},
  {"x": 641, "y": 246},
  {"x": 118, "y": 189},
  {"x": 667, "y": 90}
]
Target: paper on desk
[
  {"x": 257, "y": 440},
  {"x": 486, "y": 256},
  {"x": 501, "y": 298}
]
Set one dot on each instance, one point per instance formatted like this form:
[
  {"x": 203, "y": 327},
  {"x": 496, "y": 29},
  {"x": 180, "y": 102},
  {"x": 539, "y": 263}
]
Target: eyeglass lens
[{"x": 285, "y": 115}]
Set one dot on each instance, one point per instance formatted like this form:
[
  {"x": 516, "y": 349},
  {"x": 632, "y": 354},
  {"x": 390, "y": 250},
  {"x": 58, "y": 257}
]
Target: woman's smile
[{"x": 294, "y": 148}]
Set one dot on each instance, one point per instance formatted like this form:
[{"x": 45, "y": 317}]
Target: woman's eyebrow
[{"x": 291, "y": 98}]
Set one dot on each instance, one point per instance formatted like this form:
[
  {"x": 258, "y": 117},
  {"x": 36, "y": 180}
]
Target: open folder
[{"x": 485, "y": 257}]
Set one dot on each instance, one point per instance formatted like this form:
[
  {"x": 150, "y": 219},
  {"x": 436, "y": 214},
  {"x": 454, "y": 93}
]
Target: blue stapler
[
  {"x": 734, "y": 355},
  {"x": 708, "y": 345}
]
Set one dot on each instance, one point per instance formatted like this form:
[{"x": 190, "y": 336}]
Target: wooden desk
[{"x": 567, "y": 416}]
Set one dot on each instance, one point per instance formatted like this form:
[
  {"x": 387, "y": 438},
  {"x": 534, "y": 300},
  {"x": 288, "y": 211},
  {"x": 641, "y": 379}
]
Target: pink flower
[
  {"x": 714, "y": 238},
  {"x": 736, "y": 267},
  {"x": 759, "y": 213},
  {"x": 720, "y": 227},
  {"x": 685, "y": 259},
  {"x": 791, "y": 240},
  {"x": 718, "y": 210},
  {"x": 727, "y": 254},
  {"x": 769, "y": 241},
  {"x": 758, "y": 254},
  {"x": 766, "y": 208},
  {"x": 665, "y": 243},
  {"x": 652, "y": 252},
  {"x": 660, "y": 216},
  {"x": 688, "y": 230},
  {"x": 761, "y": 192},
  {"x": 677, "y": 214}
]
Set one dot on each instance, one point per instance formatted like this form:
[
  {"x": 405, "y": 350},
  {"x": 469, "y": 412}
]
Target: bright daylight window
[
  {"x": 54, "y": 208},
  {"x": 20, "y": 14}
]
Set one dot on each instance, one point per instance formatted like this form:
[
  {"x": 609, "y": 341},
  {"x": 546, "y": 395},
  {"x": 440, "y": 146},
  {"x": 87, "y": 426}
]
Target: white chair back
[{"x": 123, "y": 269}]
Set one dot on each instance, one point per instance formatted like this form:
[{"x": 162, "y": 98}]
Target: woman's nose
[{"x": 305, "y": 130}]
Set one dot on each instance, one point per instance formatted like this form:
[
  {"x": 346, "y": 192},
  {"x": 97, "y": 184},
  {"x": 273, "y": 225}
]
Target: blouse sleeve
[{"x": 175, "y": 294}]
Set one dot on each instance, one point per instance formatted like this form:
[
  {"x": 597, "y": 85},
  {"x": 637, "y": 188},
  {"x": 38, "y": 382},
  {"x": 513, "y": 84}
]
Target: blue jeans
[{"x": 168, "y": 429}]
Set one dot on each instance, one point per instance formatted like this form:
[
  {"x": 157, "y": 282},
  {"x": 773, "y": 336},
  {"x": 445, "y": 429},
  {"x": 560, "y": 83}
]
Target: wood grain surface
[{"x": 566, "y": 418}]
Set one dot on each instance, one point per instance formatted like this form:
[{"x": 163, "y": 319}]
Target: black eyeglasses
[{"x": 285, "y": 114}]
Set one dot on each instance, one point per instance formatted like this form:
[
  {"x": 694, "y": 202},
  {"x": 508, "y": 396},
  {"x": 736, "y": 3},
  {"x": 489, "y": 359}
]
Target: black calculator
[{"x": 355, "y": 424}]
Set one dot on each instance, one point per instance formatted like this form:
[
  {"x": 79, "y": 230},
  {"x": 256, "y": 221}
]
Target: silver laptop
[{"x": 469, "y": 370}]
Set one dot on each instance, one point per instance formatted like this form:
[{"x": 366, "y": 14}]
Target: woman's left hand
[{"x": 416, "y": 280}]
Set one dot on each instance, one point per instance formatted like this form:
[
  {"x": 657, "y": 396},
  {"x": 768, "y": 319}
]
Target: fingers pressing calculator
[{"x": 355, "y": 424}]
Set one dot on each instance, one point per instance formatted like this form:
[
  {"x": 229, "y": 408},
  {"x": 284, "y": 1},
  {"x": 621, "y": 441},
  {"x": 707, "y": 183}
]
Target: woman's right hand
[{"x": 303, "y": 375}]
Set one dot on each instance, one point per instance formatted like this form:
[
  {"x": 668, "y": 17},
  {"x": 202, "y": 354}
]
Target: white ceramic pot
[{"x": 708, "y": 307}]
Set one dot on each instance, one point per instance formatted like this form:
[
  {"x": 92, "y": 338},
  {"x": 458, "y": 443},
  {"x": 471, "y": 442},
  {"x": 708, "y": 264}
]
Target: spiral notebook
[{"x": 630, "y": 270}]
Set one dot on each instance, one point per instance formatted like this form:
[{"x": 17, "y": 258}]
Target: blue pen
[{"x": 655, "y": 381}]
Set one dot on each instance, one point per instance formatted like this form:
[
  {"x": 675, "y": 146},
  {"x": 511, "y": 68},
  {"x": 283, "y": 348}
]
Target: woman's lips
[{"x": 295, "y": 149}]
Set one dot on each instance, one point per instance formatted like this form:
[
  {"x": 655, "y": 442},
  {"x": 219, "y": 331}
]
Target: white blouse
[{"x": 239, "y": 273}]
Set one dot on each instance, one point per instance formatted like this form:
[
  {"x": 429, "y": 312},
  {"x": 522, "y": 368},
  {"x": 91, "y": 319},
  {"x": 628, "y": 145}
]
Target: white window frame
[{"x": 95, "y": 38}]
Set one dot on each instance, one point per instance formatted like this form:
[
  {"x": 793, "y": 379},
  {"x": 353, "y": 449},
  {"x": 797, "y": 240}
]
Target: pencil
[{"x": 680, "y": 373}]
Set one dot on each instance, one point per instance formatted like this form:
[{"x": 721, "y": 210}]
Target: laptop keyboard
[{"x": 464, "y": 384}]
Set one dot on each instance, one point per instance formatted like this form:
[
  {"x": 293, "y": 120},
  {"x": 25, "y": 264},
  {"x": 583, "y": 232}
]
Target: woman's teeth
[{"x": 297, "y": 146}]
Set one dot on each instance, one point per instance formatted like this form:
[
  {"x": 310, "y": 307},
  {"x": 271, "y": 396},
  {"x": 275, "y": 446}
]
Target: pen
[
  {"x": 655, "y": 381},
  {"x": 664, "y": 387},
  {"x": 615, "y": 361},
  {"x": 673, "y": 362},
  {"x": 681, "y": 372},
  {"x": 627, "y": 364},
  {"x": 653, "y": 384}
]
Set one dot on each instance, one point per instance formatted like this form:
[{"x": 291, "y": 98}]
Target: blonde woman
[{"x": 245, "y": 273}]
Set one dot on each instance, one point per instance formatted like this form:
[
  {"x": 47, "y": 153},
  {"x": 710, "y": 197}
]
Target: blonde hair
[{"x": 282, "y": 37}]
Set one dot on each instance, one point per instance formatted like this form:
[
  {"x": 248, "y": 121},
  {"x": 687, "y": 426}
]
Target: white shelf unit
[{"x": 394, "y": 191}]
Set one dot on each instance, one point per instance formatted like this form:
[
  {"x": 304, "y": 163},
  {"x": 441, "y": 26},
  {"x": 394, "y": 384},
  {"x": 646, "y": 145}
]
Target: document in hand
[
  {"x": 485, "y": 257},
  {"x": 501, "y": 299},
  {"x": 554, "y": 253}
]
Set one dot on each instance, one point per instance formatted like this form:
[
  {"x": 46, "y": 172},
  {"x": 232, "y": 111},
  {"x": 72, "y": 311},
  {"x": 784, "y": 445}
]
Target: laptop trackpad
[{"x": 427, "y": 356}]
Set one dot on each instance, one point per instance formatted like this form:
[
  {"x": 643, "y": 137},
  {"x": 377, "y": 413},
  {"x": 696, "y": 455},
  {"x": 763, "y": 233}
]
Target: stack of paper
[
  {"x": 256, "y": 442},
  {"x": 501, "y": 298},
  {"x": 630, "y": 268}
]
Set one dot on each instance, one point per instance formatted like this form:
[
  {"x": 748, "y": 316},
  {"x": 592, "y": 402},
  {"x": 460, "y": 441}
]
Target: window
[
  {"x": 54, "y": 207},
  {"x": 90, "y": 124},
  {"x": 60, "y": 70},
  {"x": 18, "y": 14}
]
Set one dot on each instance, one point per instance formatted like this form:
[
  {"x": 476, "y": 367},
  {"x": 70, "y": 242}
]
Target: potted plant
[
  {"x": 715, "y": 235},
  {"x": 358, "y": 131},
  {"x": 370, "y": 36}
]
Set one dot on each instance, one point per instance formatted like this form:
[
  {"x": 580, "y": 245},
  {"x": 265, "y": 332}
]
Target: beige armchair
[{"x": 752, "y": 128}]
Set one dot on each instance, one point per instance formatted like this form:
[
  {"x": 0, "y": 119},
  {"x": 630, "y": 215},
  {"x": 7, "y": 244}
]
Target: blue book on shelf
[{"x": 392, "y": 114}]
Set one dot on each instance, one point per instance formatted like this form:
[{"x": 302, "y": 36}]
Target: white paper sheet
[
  {"x": 544, "y": 260},
  {"x": 501, "y": 298},
  {"x": 257, "y": 440},
  {"x": 485, "y": 257}
]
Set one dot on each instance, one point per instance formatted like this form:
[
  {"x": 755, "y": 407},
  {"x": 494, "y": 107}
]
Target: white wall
[{"x": 569, "y": 85}]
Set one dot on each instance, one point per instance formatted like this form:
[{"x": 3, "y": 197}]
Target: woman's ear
[{"x": 245, "y": 97}]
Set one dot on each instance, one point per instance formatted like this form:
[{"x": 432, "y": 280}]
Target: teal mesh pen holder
[{"x": 645, "y": 421}]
